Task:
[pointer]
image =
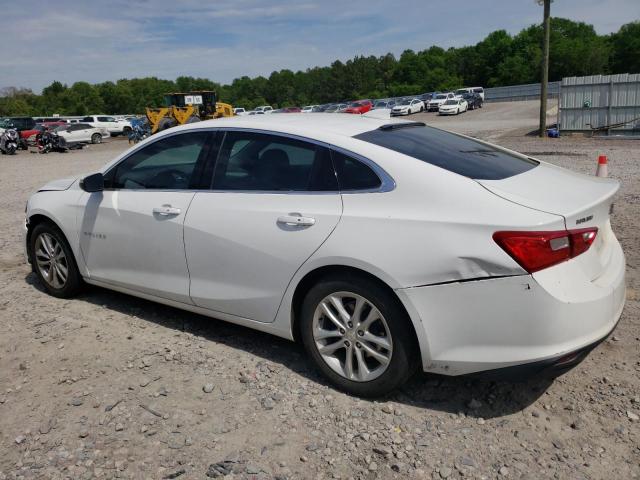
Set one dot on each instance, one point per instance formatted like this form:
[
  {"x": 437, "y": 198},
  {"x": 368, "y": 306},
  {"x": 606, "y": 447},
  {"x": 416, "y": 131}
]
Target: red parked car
[{"x": 361, "y": 106}]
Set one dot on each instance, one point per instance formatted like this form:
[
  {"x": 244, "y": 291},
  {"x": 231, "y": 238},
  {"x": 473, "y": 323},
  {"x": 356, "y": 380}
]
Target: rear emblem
[{"x": 584, "y": 219}]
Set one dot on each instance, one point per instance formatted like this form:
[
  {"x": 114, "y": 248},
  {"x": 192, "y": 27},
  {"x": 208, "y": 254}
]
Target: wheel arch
[
  {"x": 38, "y": 218},
  {"x": 313, "y": 276}
]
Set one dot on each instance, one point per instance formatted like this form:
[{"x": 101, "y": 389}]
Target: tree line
[{"x": 500, "y": 59}]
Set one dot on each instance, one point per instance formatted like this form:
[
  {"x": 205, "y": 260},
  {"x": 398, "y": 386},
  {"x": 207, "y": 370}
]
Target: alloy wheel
[
  {"x": 352, "y": 336},
  {"x": 51, "y": 260}
]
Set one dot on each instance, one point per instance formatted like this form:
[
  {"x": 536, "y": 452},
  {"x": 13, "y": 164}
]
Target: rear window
[{"x": 454, "y": 153}]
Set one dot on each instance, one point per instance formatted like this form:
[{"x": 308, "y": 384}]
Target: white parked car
[
  {"x": 309, "y": 108},
  {"x": 239, "y": 111},
  {"x": 384, "y": 246},
  {"x": 439, "y": 99},
  {"x": 109, "y": 124},
  {"x": 407, "y": 107},
  {"x": 264, "y": 109},
  {"x": 453, "y": 106},
  {"x": 81, "y": 133}
]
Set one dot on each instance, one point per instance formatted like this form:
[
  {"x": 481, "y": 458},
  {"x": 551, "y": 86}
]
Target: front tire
[
  {"x": 358, "y": 335},
  {"x": 96, "y": 138},
  {"x": 53, "y": 261}
]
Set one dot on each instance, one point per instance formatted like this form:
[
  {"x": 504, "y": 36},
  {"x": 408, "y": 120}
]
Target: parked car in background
[
  {"x": 426, "y": 97},
  {"x": 438, "y": 100},
  {"x": 360, "y": 106},
  {"x": 336, "y": 108},
  {"x": 309, "y": 108},
  {"x": 239, "y": 111},
  {"x": 20, "y": 123},
  {"x": 81, "y": 133},
  {"x": 479, "y": 91},
  {"x": 263, "y": 109},
  {"x": 54, "y": 125},
  {"x": 378, "y": 104},
  {"x": 453, "y": 106},
  {"x": 461, "y": 91},
  {"x": 407, "y": 107},
  {"x": 110, "y": 124},
  {"x": 474, "y": 100}
]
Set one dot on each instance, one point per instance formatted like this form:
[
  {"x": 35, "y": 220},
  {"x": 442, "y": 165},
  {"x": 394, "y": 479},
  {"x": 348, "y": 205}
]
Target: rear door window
[
  {"x": 452, "y": 152},
  {"x": 265, "y": 162}
]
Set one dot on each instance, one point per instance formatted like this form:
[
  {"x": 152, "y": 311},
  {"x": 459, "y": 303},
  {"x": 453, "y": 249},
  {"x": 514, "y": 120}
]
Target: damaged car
[{"x": 384, "y": 246}]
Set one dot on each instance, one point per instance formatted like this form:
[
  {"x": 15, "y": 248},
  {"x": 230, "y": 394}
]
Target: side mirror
[{"x": 93, "y": 183}]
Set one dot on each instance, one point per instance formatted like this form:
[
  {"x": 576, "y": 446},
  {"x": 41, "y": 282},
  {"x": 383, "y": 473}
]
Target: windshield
[
  {"x": 455, "y": 153},
  {"x": 451, "y": 102},
  {"x": 405, "y": 102},
  {"x": 440, "y": 96},
  {"x": 356, "y": 104},
  {"x": 461, "y": 91}
]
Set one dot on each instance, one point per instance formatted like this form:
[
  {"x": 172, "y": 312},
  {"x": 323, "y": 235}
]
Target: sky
[{"x": 95, "y": 41}]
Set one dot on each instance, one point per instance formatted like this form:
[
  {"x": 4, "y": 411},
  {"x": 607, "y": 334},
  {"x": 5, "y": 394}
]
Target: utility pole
[{"x": 545, "y": 66}]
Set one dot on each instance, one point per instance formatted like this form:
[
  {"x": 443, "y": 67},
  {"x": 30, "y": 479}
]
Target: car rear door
[
  {"x": 274, "y": 201},
  {"x": 131, "y": 234}
]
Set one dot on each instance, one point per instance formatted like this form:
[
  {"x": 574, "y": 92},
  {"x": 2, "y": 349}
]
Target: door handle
[
  {"x": 166, "y": 210},
  {"x": 296, "y": 219}
]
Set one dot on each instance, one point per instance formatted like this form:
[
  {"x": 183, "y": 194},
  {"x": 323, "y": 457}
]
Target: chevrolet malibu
[{"x": 384, "y": 246}]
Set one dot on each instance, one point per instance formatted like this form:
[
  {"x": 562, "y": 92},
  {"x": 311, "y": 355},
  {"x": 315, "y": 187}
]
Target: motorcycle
[
  {"x": 139, "y": 131},
  {"x": 47, "y": 141},
  {"x": 9, "y": 141}
]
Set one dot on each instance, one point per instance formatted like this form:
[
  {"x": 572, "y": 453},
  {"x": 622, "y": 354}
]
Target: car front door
[
  {"x": 274, "y": 201},
  {"x": 73, "y": 133},
  {"x": 131, "y": 234}
]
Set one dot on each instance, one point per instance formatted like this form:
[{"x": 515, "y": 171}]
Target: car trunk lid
[{"x": 584, "y": 202}]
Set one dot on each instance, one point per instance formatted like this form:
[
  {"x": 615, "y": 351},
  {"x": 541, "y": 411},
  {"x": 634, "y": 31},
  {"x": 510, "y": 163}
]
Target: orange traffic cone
[{"x": 602, "y": 170}]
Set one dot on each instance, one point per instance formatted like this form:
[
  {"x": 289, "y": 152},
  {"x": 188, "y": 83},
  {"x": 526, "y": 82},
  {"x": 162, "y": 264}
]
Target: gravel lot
[{"x": 110, "y": 386}]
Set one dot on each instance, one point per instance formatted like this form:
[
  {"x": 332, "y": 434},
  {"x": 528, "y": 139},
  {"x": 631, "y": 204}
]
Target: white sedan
[
  {"x": 81, "y": 133},
  {"x": 453, "y": 106},
  {"x": 407, "y": 107},
  {"x": 384, "y": 246}
]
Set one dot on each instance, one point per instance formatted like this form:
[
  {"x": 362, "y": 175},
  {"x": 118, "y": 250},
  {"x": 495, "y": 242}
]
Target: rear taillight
[{"x": 535, "y": 251}]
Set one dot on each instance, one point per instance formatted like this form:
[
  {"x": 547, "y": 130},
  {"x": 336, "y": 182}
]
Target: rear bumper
[
  {"x": 551, "y": 367},
  {"x": 475, "y": 326}
]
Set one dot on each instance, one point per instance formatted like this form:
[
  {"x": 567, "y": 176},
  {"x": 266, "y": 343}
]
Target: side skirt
[{"x": 270, "y": 328}]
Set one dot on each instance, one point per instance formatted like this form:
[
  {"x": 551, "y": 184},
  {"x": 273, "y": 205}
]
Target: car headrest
[{"x": 274, "y": 159}]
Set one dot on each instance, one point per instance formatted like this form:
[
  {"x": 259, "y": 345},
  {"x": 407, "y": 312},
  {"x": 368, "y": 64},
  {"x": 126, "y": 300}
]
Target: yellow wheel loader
[{"x": 184, "y": 108}]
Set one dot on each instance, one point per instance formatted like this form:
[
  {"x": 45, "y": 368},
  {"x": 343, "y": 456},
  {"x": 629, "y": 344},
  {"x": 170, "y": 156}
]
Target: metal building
[
  {"x": 600, "y": 104},
  {"x": 530, "y": 91}
]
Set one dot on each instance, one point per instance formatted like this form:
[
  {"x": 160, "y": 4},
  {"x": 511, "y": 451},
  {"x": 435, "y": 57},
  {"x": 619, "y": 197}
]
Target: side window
[
  {"x": 87, "y": 119},
  {"x": 167, "y": 164},
  {"x": 353, "y": 174},
  {"x": 265, "y": 162},
  {"x": 104, "y": 119}
]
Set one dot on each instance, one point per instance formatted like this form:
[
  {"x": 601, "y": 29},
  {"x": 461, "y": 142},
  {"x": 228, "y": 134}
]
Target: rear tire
[
  {"x": 53, "y": 261},
  {"x": 392, "y": 326}
]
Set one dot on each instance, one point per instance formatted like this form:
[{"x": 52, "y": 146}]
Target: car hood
[{"x": 57, "y": 185}]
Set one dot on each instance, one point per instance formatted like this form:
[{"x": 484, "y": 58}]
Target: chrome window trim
[{"x": 387, "y": 183}]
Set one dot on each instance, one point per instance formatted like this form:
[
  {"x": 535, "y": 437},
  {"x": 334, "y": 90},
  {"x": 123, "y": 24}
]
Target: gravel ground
[{"x": 110, "y": 386}]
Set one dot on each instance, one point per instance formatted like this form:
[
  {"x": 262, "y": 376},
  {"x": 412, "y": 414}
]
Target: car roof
[{"x": 319, "y": 127}]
